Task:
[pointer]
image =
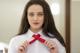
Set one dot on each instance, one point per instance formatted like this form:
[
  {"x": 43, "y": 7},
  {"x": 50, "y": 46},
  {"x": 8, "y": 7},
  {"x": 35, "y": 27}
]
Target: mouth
[{"x": 36, "y": 23}]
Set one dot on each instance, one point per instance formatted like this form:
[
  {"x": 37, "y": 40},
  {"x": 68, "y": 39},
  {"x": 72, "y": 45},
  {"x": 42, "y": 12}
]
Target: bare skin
[
  {"x": 52, "y": 46},
  {"x": 36, "y": 19},
  {"x": 23, "y": 47}
]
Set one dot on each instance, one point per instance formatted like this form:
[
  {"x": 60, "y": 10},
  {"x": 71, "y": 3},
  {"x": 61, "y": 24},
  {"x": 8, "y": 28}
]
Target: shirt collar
[{"x": 30, "y": 33}]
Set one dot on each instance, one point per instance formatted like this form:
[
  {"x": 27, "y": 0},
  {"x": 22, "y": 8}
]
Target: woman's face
[{"x": 35, "y": 17}]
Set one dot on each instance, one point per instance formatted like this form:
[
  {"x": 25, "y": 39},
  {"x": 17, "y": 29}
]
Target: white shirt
[{"x": 36, "y": 47}]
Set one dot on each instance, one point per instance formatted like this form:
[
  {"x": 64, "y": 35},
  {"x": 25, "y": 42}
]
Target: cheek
[
  {"x": 29, "y": 20},
  {"x": 42, "y": 20}
]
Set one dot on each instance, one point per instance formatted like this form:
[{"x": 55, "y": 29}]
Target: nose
[{"x": 35, "y": 17}]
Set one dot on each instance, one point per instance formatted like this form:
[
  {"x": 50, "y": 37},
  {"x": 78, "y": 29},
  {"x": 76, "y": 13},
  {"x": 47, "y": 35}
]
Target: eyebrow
[{"x": 35, "y": 12}]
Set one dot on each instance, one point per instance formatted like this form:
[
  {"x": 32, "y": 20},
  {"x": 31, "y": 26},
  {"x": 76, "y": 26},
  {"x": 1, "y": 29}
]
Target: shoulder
[
  {"x": 13, "y": 44},
  {"x": 54, "y": 39},
  {"x": 17, "y": 38},
  {"x": 61, "y": 48},
  {"x": 16, "y": 41}
]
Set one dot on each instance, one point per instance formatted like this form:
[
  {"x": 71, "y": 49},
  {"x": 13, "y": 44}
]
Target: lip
[{"x": 36, "y": 23}]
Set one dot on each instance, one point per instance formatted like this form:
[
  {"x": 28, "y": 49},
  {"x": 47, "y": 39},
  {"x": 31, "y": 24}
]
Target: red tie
[{"x": 37, "y": 37}]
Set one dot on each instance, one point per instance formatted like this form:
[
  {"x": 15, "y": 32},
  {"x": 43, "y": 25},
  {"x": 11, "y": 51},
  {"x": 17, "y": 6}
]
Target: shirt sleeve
[
  {"x": 61, "y": 48},
  {"x": 12, "y": 46}
]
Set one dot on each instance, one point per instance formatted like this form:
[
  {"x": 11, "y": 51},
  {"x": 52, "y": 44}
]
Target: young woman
[{"x": 37, "y": 19}]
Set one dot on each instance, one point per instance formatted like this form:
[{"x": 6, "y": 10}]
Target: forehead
[{"x": 35, "y": 8}]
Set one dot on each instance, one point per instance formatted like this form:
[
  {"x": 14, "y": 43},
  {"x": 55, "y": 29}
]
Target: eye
[
  {"x": 31, "y": 14},
  {"x": 40, "y": 14}
]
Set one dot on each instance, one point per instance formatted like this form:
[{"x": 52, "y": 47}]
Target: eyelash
[{"x": 39, "y": 14}]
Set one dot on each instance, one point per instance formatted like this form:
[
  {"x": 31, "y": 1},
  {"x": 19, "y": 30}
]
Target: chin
[{"x": 37, "y": 27}]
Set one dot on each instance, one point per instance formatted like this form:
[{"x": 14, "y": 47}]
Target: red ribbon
[{"x": 37, "y": 37}]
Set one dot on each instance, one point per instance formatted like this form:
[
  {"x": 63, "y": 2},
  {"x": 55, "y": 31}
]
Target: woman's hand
[
  {"x": 52, "y": 46},
  {"x": 23, "y": 47}
]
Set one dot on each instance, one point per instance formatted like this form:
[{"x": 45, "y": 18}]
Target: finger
[
  {"x": 26, "y": 43},
  {"x": 21, "y": 48},
  {"x": 49, "y": 44},
  {"x": 46, "y": 43}
]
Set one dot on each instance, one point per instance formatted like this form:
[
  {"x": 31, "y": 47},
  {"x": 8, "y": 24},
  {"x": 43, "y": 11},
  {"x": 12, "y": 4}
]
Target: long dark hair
[{"x": 48, "y": 25}]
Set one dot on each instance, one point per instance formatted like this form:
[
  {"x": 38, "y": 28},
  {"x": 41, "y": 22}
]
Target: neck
[{"x": 35, "y": 30}]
